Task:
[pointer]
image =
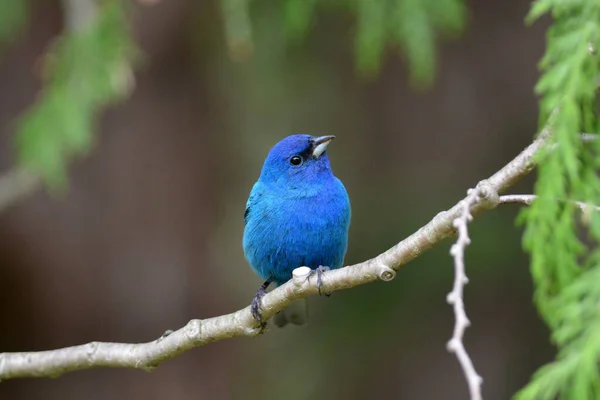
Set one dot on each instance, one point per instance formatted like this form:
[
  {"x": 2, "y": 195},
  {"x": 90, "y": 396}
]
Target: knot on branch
[
  {"x": 385, "y": 273},
  {"x": 453, "y": 345},
  {"x": 91, "y": 349},
  {"x": 487, "y": 195},
  {"x": 193, "y": 330}
]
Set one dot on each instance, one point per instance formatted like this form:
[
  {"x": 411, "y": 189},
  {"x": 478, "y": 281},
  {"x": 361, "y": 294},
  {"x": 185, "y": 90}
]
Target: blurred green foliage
[
  {"x": 411, "y": 25},
  {"x": 566, "y": 271},
  {"x": 13, "y": 15},
  {"x": 89, "y": 68},
  {"x": 84, "y": 70}
]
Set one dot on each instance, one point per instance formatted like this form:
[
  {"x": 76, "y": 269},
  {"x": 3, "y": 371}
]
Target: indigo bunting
[{"x": 298, "y": 214}]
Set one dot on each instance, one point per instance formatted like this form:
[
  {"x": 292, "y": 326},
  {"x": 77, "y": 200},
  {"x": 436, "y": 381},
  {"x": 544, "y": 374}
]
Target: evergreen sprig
[
  {"x": 412, "y": 25},
  {"x": 574, "y": 374},
  {"x": 566, "y": 272},
  {"x": 85, "y": 70}
]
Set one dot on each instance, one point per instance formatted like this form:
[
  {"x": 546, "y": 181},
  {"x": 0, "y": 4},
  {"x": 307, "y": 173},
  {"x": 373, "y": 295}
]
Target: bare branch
[
  {"x": 78, "y": 13},
  {"x": 528, "y": 199},
  {"x": 197, "y": 332},
  {"x": 455, "y": 298},
  {"x": 15, "y": 185},
  {"x": 588, "y": 137}
]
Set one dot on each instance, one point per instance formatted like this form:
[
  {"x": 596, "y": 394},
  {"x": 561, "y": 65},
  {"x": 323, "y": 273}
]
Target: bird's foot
[
  {"x": 257, "y": 304},
  {"x": 319, "y": 271}
]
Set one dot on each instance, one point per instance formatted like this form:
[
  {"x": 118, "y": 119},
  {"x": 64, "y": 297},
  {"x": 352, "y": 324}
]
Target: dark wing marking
[
  {"x": 254, "y": 195},
  {"x": 246, "y": 213}
]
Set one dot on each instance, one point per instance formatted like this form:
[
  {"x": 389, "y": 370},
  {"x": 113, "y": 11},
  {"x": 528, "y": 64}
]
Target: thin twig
[
  {"x": 455, "y": 298},
  {"x": 528, "y": 199},
  {"x": 197, "y": 332},
  {"x": 588, "y": 137},
  {"x": 78, "y": 13},
  {"x": 15, "y": 185}
]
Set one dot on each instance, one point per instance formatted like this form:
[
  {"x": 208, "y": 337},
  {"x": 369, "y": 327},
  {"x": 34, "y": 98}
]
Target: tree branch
[
  {"x": 455, "y": 298},
  {"x": 78, "y": 13},
  {"x": 197, "y": 332},
  {"x": 527, "y": 199},
  {"x": 15, "y": 185}
]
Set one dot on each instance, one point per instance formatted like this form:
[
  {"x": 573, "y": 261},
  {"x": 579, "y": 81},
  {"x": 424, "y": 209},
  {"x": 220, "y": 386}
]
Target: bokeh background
[{"x": 148, "y": 234}]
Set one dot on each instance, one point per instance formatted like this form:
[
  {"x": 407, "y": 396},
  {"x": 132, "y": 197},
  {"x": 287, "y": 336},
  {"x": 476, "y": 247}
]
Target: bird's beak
[{"x": 320, "y": 145}]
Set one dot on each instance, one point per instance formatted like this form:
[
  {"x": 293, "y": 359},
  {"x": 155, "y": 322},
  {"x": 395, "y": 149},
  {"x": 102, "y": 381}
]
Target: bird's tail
[{"x": 296, "y": 313}]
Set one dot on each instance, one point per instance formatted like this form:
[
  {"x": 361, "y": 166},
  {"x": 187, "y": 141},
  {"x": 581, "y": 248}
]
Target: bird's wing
[{"x": 255, "y": 194}]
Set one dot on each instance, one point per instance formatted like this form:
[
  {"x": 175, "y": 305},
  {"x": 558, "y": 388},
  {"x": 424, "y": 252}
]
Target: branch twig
[
  {"x": 455, "y": 298},
  {"x": 197, "y": 332},
  {"x": 588, "y": 137},
  {"x": 78, "y": 13},
  {"x": 527, "y": 199},
  {"x": 15, "y": 185}
]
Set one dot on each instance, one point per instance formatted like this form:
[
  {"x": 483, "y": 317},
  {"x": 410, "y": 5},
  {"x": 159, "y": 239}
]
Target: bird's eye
[{"x": 296, "y": 160}]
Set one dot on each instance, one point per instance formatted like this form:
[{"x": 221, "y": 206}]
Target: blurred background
[{"x": 147, "y": 234}]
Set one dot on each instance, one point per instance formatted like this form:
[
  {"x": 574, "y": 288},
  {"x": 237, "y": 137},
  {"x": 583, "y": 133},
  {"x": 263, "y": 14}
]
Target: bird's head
[{"x": 298, "y": 160}]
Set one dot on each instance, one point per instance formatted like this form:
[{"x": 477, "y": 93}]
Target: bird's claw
[
  {"x": 319, "y": 271},
  {"x": 256, "y": 305}
]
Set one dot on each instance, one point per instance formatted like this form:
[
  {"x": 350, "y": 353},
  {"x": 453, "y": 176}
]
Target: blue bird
[{"x": 298, "y": 214}]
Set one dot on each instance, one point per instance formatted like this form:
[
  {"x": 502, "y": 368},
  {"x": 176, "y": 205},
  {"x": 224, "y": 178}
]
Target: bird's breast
[{"x": 286, "y": 232}]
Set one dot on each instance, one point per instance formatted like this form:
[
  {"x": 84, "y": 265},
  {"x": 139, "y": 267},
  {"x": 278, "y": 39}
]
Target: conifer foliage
[
  {"x": 562, "y": 241},
  {"x": 84, "y": 70},
  {"x": 412, "y": 26}
]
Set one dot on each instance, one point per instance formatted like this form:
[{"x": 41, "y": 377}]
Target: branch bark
[{"x": 147, "y": 356}]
